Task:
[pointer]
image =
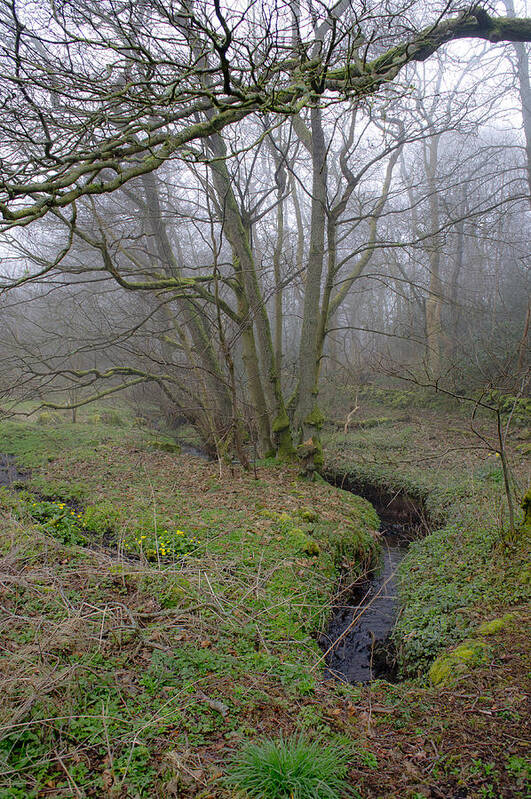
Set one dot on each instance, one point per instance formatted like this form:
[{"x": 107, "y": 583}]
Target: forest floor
[{"x": 159, "y": 610}]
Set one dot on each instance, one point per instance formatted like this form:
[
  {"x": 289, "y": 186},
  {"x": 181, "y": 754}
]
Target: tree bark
[{"x": 308, "y": 418}]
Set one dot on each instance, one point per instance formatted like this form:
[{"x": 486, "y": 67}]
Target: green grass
[
  {"x": 145, "y": 675},
  {"x": 290, "y": 769}
]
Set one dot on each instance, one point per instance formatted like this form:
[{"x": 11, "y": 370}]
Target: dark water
[
  {"x": 190, "y": 449},
  {"x": 8, "y": 471},
  {"x": 363, "y": 653}
]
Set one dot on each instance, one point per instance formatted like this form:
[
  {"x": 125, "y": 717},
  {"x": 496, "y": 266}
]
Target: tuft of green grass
[{"x": 291, "y": 768}]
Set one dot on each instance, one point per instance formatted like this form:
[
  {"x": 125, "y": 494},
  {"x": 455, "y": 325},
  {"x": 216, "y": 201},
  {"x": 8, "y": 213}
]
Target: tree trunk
[
  {"x": 238, "y": 237},
  {"x": 308, "y": 418},
  {"x": 435, "y": 289}
]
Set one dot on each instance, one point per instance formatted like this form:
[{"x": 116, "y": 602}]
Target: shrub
[
  {"x": 290, "y": 769},
  {"x": 47, "y": 418},
  {"x": 113, "y": 418}
]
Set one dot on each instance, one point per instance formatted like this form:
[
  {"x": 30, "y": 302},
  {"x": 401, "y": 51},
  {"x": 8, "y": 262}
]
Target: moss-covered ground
[{"x": 159, "y": 610}]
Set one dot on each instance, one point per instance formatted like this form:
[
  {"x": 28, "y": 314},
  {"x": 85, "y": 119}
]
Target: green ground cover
[
  {"x": 159, "y": 613},
  {"x": 173, "y": 599},
  {"x": 466, "y": 567}
]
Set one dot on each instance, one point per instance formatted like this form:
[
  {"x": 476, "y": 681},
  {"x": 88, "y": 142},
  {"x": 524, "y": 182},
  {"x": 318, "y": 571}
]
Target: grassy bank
[
  {"x": 157, "y": 610},
  {"x": 465, "y": 570},
  {"x": 159, "y": 613}
]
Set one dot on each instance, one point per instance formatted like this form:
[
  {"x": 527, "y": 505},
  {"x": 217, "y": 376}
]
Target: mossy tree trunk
[
  {"x": 308, "y": 419},
  {"x": 237, "y": 234}
]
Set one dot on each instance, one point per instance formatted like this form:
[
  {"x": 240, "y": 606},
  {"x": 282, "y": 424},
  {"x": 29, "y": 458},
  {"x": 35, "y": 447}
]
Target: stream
[
  {"x": 361, "y": 654},
  {"x": 362, "y": 623},
  {"x": 9, "y": 473}
]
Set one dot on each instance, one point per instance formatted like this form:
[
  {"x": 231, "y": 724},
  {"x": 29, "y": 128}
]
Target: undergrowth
[
  {"x": 466, "y": 567},
  {"x": 157, "y": 606}
]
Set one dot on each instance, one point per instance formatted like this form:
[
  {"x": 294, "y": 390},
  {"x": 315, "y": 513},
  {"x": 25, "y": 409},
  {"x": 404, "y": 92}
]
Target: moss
[
  {"x": 268, "y": 514},
  {"x": 315, "y": 418},
  {"x": 312, "y": 548},
  {"x": 282, "y": 434},
  {"x": 494, "y": 626},
  {"x": 166, "y": 446},
  {"x": 308, "y": 515},
  {"x": 303, "y": 542},
  {"x": 450, "y": 665},
  {"x": 281, "y": 422}
]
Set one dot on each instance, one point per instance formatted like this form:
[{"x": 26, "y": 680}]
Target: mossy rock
[
  {"x": 166, "y": 446},
  {"x": 303, "y": 542},
  {"x": 494, "y": 626},
  {"x": 451, "y": 665}
]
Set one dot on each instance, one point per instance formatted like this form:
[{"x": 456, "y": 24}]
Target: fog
[{"x": 224, "y": 213}]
